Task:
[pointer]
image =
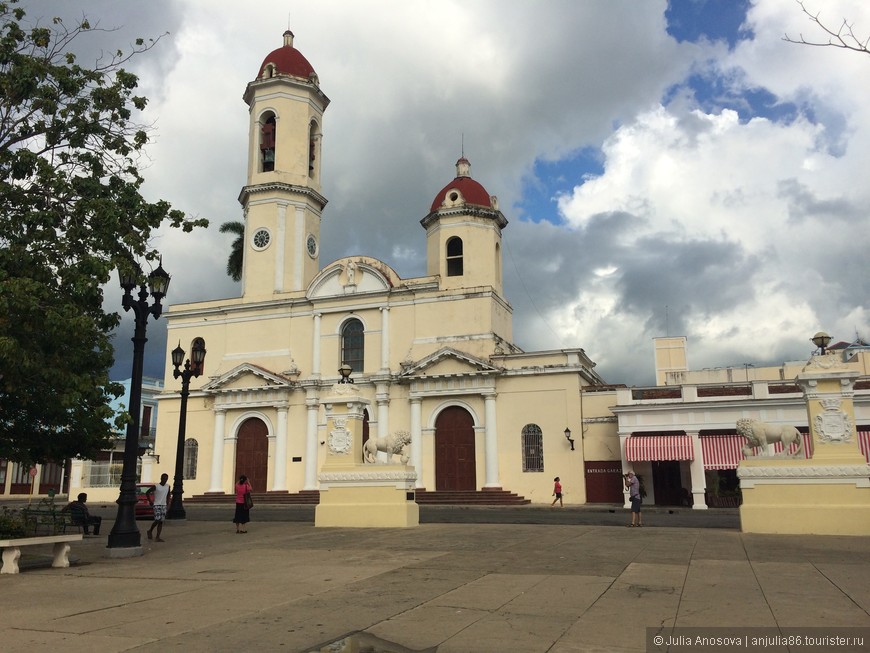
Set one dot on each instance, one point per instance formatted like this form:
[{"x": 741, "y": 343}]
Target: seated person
[{"x": 81, "y": 516}]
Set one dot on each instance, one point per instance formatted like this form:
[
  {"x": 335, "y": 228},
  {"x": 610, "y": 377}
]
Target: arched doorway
[
  {"x": 252, "y": 453},
  {"x": 454, "y": 450}
]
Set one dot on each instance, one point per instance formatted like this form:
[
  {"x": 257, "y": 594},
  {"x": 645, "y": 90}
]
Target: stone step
[
  {"x": 303, "y": 497},
  {"x": 489, "y": 497}
]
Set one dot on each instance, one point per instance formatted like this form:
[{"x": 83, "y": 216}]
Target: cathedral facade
[{"x": 433, "y": 355}]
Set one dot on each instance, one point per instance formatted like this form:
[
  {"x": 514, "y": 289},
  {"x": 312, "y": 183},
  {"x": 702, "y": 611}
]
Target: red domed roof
[
  {"x": 287, "y": 60},
  {"x": 471, "y": 190}
]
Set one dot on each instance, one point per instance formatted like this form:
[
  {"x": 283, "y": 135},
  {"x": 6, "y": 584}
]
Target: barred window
[
  {"x": 191, "y": 453},
  {"x": 533, "y": 448}
]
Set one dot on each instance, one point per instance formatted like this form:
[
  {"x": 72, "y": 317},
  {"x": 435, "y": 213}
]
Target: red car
[{"x": 145, "y": 501}]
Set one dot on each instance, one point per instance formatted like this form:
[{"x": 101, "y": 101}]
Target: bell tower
[
  {"x": 281, "y": 200},
  {"x": 463, "y": 234}
]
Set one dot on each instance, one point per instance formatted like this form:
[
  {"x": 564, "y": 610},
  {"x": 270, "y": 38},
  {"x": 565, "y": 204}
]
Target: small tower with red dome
[
  {"x": 282, "y": 200},
  {"x": 463, "y": 234}
]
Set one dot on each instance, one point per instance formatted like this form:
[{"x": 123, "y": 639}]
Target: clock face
[
  {"x": 311, "y": 246},
  {"x": 261, "y": 239}
]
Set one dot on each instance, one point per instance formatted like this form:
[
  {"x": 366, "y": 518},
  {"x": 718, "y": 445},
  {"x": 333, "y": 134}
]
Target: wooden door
[
  {"x": 252, "y": 453},
  {"x": 604, "y": 483},
  {"x": 454, "y": 450}
]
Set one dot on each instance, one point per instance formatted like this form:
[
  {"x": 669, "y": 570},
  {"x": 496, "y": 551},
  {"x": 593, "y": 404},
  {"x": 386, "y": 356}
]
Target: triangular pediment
[
  {"x": 247, "y": 376},
  {"x": 448, "y": 362}
]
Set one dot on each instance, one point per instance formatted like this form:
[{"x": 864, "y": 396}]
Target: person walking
[
  {"x": 557, "y": 492},
  {"x": 81, "y": 516},
  {"x": 632, "y": 484},
  {"x": 160, "y": 499},
  {"x": 243, "y": 508}
]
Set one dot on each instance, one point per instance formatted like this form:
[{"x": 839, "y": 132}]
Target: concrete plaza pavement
[{"x": 575, "y": 583}]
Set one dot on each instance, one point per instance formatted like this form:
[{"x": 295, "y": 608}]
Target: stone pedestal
[
  {"x": 827, "y": 494},
  {"x": 352, "y": 493}
]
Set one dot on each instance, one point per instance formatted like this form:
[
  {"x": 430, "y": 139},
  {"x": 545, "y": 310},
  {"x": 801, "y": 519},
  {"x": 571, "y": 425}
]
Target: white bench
[{"x": 12, "y": 550}]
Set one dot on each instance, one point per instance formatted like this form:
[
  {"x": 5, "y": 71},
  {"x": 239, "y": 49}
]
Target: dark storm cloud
[
  {"x": 708, "y": 276},
  {"x": 803, "y": 204}
]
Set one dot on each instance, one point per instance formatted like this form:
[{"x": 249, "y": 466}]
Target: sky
[{"x": 666, "y": 168}]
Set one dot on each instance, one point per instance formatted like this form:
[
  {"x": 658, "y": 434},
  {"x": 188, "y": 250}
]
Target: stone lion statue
[
  {"x": 395, "y": 444},
  {"x": 761, "y": 434}
]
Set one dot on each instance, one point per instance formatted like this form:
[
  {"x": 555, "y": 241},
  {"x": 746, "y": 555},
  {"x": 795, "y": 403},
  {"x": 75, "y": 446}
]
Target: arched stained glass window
[{"x": 353, "y": 344}]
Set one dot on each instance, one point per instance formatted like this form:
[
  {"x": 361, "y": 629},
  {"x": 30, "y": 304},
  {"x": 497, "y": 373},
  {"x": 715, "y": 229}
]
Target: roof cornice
[{"x": 272, "y": 186}]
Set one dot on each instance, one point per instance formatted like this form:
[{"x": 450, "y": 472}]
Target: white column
[
  {"x": 279, "y": 483},
  {"x": 382, "y": 397},
  {"x": 279, "y": 244},
  {"x": 696, "y": 471},
  {"x": 217, "y": 452},
  {"x": 76, "y": 471},
  {"x": 299, "y": 253},
  {"x": 490, "y": 442},
  {"x": 148, "y": 463},
  {"x": 417, "y": 438},
  {"x": 315, "y": 347},
  {"x": 385, "y": 338},
  {"x": 312, "y": 407},
  {"x": 626, "y": 468}
]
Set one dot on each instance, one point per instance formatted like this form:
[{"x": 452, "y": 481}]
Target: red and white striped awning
[
  {"x": 864, "y": 443},
  {"x": 726, "y": 451},
  {"x": 659, "y": 447},
  {"x": 722, "y": 451}
]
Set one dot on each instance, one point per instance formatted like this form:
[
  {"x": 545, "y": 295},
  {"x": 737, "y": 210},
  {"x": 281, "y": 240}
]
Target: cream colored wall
[
  {"x": 550, "y": 401},
  {"x": 264, "y": 210},
  {"x": 600, "y": 434},
  {"x": 670, "y": 356},
  {"x": 785, "y": 372}
]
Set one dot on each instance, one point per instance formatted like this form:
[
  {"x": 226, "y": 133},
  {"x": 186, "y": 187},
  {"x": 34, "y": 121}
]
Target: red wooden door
[
  {"x": 252, "y": 453},
  {"x": 454, "y": 450},
  {"x": 604, "y": 483}
]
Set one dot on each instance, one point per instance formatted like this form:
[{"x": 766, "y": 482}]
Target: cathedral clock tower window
[
  {"x": 267, "y": 144},
  {"x": 454, "y": 257}
]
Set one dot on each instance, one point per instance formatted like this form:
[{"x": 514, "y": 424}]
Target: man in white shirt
[{"x": 160, "y": 499}]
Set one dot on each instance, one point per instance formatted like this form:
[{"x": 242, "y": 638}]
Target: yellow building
[{"x": 433, "y": 355}]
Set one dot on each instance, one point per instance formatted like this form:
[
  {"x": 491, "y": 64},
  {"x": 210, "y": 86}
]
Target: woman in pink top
[
  {"x": 243, "y": 513},
  {"x": 557, "y": 492}
]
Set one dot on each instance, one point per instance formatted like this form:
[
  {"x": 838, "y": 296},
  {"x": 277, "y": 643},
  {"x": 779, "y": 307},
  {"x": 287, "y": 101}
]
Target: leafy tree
[
  {"x": 70, "y": 213},
  {"x": 234, "y": 262}
]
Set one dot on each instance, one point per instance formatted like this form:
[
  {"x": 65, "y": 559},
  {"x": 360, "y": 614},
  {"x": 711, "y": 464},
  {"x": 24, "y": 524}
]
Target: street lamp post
[
  {"x": 821, "y": 340},
  {"x": 125, "y": 534},
  {"x": 192, "y": 368},
  {"x": 345, "y": 371}
]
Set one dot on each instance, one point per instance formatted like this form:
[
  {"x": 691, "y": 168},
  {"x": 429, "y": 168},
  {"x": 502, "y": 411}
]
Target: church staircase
[
  {"x": 485, "y": 497},
  {"x": 305, "y": 497}
]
